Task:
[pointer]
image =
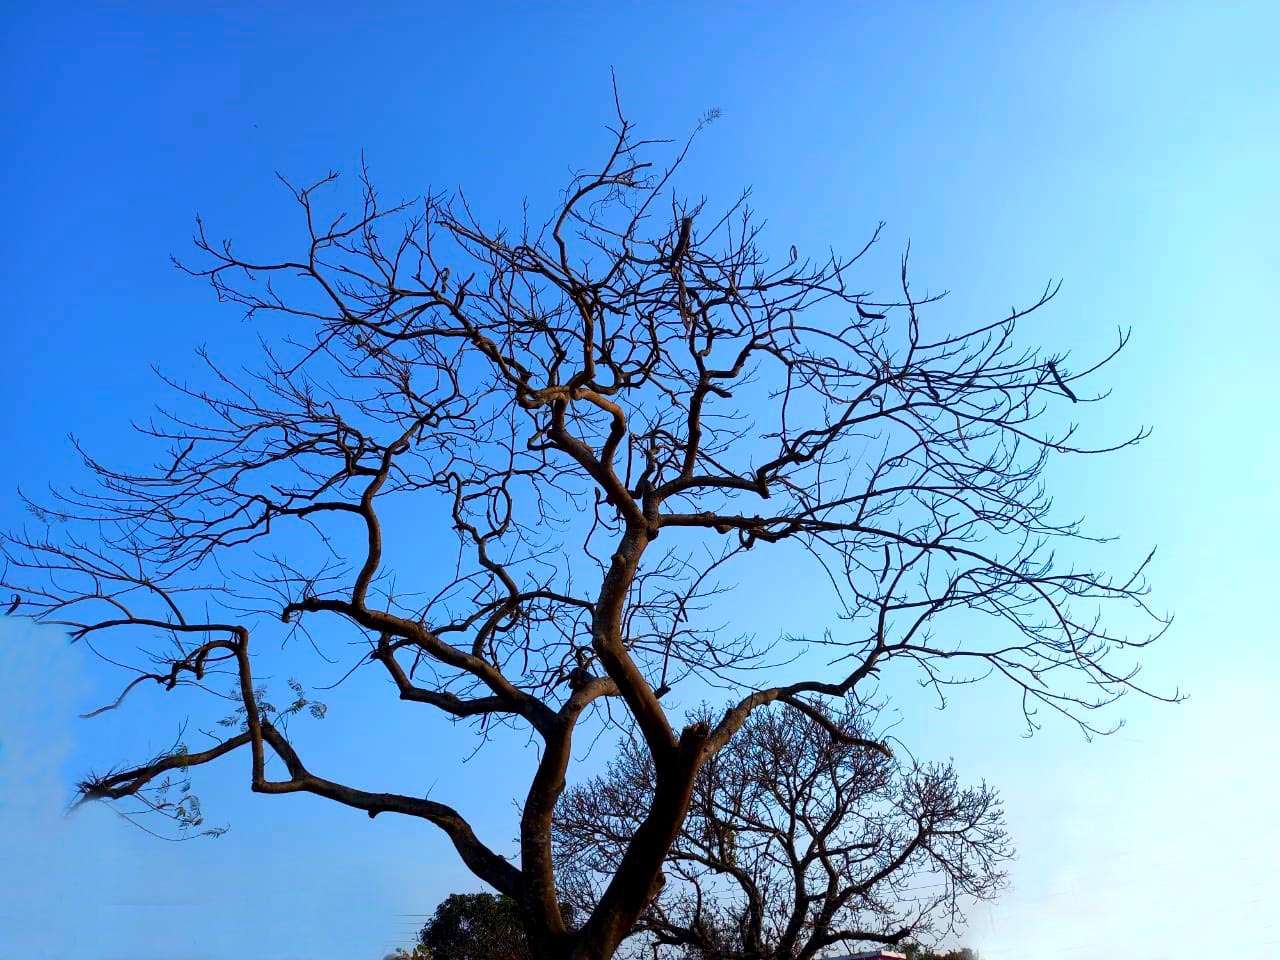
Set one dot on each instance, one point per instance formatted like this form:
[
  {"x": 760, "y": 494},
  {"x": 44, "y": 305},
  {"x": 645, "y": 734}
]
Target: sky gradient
[{"x": 1128, "y": 148}]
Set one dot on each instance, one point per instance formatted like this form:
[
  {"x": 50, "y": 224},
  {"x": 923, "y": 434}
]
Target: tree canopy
[
  {"x": 916, "y": 952},
  {"x": 475, "y": 926}
]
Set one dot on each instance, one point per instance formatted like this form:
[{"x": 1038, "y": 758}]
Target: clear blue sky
[{"x": 1130, "y": 148}]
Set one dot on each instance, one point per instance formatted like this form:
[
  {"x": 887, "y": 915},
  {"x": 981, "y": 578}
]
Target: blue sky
[{"x": 1128, "y": 148}]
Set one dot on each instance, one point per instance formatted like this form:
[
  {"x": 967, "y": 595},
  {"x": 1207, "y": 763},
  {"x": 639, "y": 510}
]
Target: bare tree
[
  {"x": 796, "y": 842},
  {"x": 602, "y": 413}
]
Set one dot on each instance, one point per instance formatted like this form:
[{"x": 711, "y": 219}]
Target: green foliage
[
  {"x": 270, "y": 713},
  {"x": 916, "y": 952},
  {"x": 475, "y": 926}
]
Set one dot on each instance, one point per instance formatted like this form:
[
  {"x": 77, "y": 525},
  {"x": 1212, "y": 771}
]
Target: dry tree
[
  {"x": 516, "y": 466},
  {"x": 795, "y": 843}
]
